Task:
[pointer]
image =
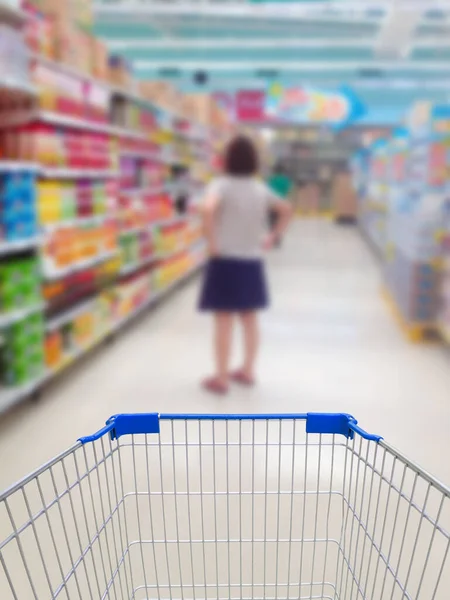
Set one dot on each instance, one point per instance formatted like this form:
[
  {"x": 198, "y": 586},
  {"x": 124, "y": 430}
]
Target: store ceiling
[{"x": 390, "y": 52}]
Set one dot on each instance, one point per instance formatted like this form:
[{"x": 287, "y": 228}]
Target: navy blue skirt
[{"x": 234, "y": 285}]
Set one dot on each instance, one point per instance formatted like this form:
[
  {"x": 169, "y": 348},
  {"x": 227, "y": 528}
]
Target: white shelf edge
[
  {"x": 14, "y": 166},
  {"x": 160, "y": 223},
  {"x": 133, "y": 267},
  {"x": 19, "y": 245},
  {"x": 67, "y": 316},
  {"x": 141, "y": 154},
  {"x": 69, "y": 173},
  {"x": 87, "y": 264},
  {"x": 80, "y": 222},
  {"x": 54, "y": 118},
  {"x": 144, "y": 190},
  {"x": 15, "y": 316}
]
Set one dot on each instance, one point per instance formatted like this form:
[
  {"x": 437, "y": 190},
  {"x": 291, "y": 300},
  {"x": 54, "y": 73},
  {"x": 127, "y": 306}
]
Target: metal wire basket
[{"x": 227, "y": 506}]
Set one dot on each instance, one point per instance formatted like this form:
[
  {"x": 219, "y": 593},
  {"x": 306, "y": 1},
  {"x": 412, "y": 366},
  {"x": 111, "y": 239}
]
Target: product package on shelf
[
  {"x": 13, "y": 57},
  {"x": 39, "y": 31},
  {"x": 70, "y": 94},
  {"x": 136, "y": 247},
  {"x": 373, "y": 211},
  {"x": 77, "y": 12},
  {"x": 18, "y": 215},
  {"x": 62, "y": 202},
  {"x": 64, "y": 292},
  {"x": 119, "y": 71},
  {"x": 73, "y": 247},
  {"x": 173, "y": 268},
  {"x": 22, "y": 353},
  {"x": 142, "y": 209},
  {"x": 20, "y": 283},
  {"x": 69, "y": 340}
]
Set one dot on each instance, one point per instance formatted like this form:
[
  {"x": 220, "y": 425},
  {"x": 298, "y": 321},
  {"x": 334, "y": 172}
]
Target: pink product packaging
[
  {"x": 85, "y": 198},
  {"x": 128, "y": 173},
  {"x": 97, "y": 102}
]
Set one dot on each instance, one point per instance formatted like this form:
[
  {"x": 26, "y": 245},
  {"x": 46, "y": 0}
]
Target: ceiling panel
[{"x": 372, "y": 61}]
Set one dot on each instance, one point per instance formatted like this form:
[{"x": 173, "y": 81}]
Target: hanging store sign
[
  {"x": 305, "y": 105},
  {"x": 250, "y": 105}
]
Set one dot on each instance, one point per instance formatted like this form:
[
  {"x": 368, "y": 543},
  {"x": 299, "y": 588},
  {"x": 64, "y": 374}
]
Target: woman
[{"x": 235, "y": 215}]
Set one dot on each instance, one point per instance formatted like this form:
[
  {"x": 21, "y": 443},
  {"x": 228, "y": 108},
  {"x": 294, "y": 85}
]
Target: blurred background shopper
[{"x": 281, "y": 184}]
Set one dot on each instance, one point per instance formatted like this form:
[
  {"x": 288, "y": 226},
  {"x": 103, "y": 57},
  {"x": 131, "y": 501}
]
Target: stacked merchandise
[
  {"x": 409, "y": 180},
  {"x": 373, "y": 205},
  {"x": 412, "y": 269},
  {"x": 18, "y": 211},
  {"x": 441, "y": 177},
  {"x": 90, "y": 231}
]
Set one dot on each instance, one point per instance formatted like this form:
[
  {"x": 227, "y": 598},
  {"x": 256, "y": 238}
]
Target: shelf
[
  {"x": 79, "y": 222},
  {"x": 68, "y": 70},
  {"x": 11, "y": 166},
  {"x": 13, "y": 395},
  {"x": 82, "y": 266},
  {"x": 69, "y": 173},
  {"x": 18, "y": 166},
  {"x": 142, "y": 154},
  {"x": 17, "y": 87},
  {"x": 144, "y": 190},
  {"x": 15, "y": 316},
  {"x": 160, "y": 223},
  {"x": 19, "y": 245},
  {"x": 54, "y": 118},
  {"x": 133, "y": 267},
  {"x": 156, "y": 297},
  {"x": 68, "y": 316}
]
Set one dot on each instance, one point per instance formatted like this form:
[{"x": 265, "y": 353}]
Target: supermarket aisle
[{"x": 329, "y": 344}]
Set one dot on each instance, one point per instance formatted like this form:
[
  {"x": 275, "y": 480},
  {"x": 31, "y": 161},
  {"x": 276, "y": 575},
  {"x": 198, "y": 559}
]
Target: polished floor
[{"x": 329, "y": 344}]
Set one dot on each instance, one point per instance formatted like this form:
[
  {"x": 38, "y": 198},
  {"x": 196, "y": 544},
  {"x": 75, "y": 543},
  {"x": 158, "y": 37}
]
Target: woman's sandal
[
  {"x": 242, "y": 378},
  {"x": 215, "y": 386}
]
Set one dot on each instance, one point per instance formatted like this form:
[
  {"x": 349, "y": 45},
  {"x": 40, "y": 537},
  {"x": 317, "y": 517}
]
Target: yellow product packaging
[{"x": 49, "y": 202}]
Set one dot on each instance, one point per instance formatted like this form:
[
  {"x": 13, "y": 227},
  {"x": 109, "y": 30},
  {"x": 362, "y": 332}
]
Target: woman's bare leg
[
  {"x": 250, "y": 327},
  {"x": 222, "y": 343}
]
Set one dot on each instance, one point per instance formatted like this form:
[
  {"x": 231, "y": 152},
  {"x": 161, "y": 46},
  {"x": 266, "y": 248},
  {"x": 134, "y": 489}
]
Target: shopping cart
[{"x": 227, "y": 506}]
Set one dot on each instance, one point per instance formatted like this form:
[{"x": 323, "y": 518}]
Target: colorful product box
[
  {"x": 22, "y": 356},
  {"x": 19, "y": 283},
  {"x": 18, "y": 218}
]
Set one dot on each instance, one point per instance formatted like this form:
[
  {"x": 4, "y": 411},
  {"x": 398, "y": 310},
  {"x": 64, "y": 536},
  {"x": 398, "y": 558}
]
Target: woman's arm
[
  {"x": 284, "y": 211},
  {"x": 209, "y": 212}
]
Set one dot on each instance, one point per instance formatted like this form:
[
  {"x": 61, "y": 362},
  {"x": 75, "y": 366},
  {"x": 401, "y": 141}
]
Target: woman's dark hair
[{"x": 241, "y": 157}]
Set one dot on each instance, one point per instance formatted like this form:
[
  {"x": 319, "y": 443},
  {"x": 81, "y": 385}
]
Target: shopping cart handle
[
  {"x": 126, "y": 424},
  {"x": 337, "y": 423},
  {"x": 148, "y": 423}
]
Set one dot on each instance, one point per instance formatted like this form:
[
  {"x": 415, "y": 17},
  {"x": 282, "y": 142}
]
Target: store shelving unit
[
  {"x": 13, "y": 395},
  {"x": 131, "y": 143},
  {"x": 407, "y": 191}
]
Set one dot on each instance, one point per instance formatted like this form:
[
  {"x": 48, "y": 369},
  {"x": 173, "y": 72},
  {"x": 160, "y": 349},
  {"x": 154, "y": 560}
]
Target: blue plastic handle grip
[{"x": 148, "y": 423}]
